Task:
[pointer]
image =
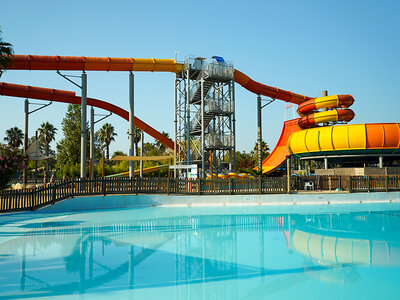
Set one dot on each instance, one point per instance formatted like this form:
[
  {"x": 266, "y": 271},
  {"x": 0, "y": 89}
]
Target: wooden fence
[{"x": 32, "y": 199}]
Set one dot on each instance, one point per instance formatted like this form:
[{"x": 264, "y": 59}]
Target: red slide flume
[{"x": 24, "y": 91}]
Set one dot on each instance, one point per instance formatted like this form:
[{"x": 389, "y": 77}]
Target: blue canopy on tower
[{"x": 219, "y": 59}]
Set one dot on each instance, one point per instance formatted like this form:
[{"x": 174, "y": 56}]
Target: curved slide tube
[
  {"x": 268, "y": 91},
  {"x": 333, "y": 115},
  {"x": 357, "y": 139},
  {"x": 23, "y": 91},
  {"x": 280, "y": 152},
  {"x": 311, "y": 117},
  {"x": 342, "y": 101}
]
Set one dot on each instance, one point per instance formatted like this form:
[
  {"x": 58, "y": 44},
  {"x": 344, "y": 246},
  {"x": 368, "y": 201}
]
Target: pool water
[{"x": 329, "y": 252}]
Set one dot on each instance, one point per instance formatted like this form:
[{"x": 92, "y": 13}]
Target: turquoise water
[{"x": 309, "y": 252}]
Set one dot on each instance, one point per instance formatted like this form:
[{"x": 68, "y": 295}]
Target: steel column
[
  {"x": 203, "y": 161},
  {"x": 176, "y": 124},
  {"x": 188, "y": 117},
  {"x": 83, "y": 125},
  {"x": 259, "y": 134},
  {"x": 26, "y": 118},
  {"x": 141, "y": 152},
  {"x": 91, "y": 141},
  {"x": 131, "y": 123},
  {"x": 234, "y": 126}
]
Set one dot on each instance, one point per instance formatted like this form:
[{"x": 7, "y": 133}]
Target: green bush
[{"x": 12, "y": 160}]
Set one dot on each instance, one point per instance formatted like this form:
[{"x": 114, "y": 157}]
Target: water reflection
[{"x": 198, "y": 256}]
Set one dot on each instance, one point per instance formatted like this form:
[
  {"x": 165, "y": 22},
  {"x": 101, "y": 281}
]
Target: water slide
[
  {"x": 308, "y": 118},
  {"x": 280, "y": 152},
  {"x": 23, "y": 91},
  {"x": 355, "y": 139},
  {"x": 145, "y": 171},
  {"x": 336, "y": 110}
]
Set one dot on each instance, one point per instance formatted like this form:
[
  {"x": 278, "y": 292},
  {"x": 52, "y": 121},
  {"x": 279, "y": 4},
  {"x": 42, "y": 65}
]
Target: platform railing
[{"x": 34, "y": 198}]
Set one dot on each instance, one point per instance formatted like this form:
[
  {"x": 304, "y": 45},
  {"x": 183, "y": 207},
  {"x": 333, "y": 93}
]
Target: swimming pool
[{"x": 337, "y": 251}]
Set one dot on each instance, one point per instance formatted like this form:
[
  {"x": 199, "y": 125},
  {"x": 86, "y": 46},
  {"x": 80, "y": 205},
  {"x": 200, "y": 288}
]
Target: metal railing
[{"x": 34, "y": 198}]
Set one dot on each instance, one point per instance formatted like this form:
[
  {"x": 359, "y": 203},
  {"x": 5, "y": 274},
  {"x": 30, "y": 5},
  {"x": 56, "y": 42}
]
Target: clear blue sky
[{"x": 345, "y": 47}]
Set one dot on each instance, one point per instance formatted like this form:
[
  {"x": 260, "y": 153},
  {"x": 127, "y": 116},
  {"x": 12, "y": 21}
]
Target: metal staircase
[
  {"x": 205, "y": 115},
  {"x": 196, "y": 96}
]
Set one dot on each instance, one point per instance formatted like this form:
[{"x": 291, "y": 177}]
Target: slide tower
[{"x": 205, "y": 115}]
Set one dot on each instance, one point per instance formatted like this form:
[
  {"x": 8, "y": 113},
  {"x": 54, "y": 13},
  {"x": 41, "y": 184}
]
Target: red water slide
[
  {"x": 268, "y": 91},
  {"x": 24, "y": 91}
]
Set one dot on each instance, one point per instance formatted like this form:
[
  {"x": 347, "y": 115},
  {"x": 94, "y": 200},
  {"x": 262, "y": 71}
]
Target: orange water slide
[
  {"x": 280, "y": 152},
  {"x": 83, "y": 63},
  {"x": 24, "y": 91},
  {"x": 268, "y": 91}
]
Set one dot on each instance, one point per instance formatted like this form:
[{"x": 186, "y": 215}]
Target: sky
[{"x": 344, "y": 47}]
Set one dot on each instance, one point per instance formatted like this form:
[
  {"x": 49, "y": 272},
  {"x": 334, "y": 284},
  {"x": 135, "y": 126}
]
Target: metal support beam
[
  {"x": 131, "y": 124},
  {"x": 326, "y": 163},
  {"x": 91, "y": 142},
  {"x": 83, "y": 125},
  {"x": 233, "y": 167},
  {"x": 141, "y": 152},
  {"x": 26, "y": 117},
  {"x": 203, "y": 153},
  {"x": 176, "y": 125},
  {"x": 380, "y": 161},
  {"x": 259, "y": 134},
  {"x": 288, "y": 173},
  {"x": 188, "y": 160}
]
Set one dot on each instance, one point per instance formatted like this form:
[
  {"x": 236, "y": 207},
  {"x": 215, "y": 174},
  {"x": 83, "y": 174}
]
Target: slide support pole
[
  {"x": 91, "y": 142},
  {"x": 26, "y": 118},
  {"x": 83, "y": 124},
  {"x": 259, "y": 133},
  {"x": 131, "y": 123}
]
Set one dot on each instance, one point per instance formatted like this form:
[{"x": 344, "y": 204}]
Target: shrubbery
[{"x": 12, "y": 160}]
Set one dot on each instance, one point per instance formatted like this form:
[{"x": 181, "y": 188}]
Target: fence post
[
  {"x": 54, "y": 194},
  {"x": 168, "y": 186},
  {"x": 198, "y": 186},
  {"x": 103, "y": 185},
  {"x": 33, "y": 198},
  {"x": 350, "y": 183},
  {"x": 259, "y": 185},
  {"x": 368, "y": 184},
  {"x": 386, "y": 183}
]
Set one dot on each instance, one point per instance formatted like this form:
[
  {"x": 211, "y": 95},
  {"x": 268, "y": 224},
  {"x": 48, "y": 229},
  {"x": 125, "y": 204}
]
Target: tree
[
  {"x": 6, "y": 51},
  {"x": 264, "y": 150},
  {"x": 107, "y": 134},
  {"x": 69, "y": 148},
  {"x": 47, "y": 133},
  {"x": 137, "y": 137},
  {"x": 244, "y": 162},
  {"x": 11, "y": 161},
  {"x": 161, "y": 146},
  {"x": 14, "y": 137}
]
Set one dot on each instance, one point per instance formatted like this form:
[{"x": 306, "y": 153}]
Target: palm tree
[
  {"x": 14, "y": 137},
  {"x": 159, "y": 145},
  {"x": 47, "y": 133},
  {"x": 264, "y": 149},
  {"x": 106, "y": 133},
  {"x": 6, "y": 51},
  {"x": 137, "y": 137}
]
